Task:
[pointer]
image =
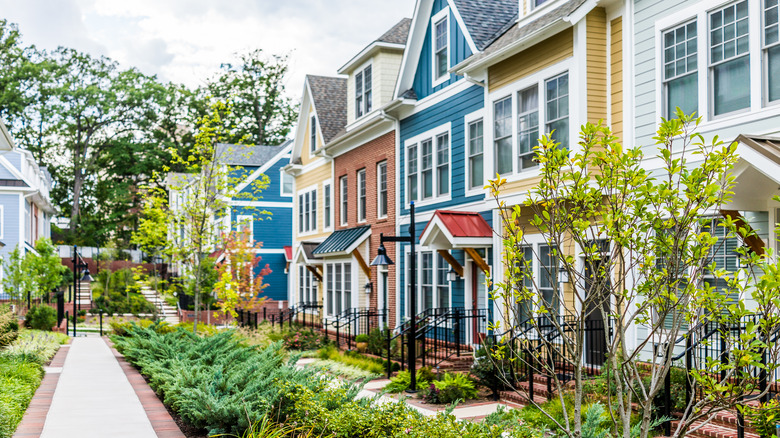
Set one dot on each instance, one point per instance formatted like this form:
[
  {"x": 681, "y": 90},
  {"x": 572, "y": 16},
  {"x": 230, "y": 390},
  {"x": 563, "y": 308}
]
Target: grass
[
  {"x": 339, "y": 369},
  {"x": 21, "y": 372},
  {"x": 333, "y": 354}
]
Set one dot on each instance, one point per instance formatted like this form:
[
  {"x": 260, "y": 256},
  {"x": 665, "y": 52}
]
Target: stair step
[{"x": 715, "y": 430}]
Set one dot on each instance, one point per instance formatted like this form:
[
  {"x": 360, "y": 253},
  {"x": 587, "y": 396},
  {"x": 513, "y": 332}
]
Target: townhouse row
[{"x": 459, "y": 93}]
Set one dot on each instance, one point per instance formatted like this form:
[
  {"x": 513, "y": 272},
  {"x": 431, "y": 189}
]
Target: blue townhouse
[
  {"x": 25, "y": 205},
  {"x": 266, "y": 212},
  {"x": 440, "y": 160}
]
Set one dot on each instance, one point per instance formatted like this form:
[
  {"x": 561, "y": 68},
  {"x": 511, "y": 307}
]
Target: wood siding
[
  {"x": 616, "y": 75},
  {"x": 531, "y": 60},
  {"x": 303, "y": 182},
  {"x": 596, "y": 37}
]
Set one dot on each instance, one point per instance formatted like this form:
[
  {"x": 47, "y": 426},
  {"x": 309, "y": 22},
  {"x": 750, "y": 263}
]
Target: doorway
[{"x": 597, "y": 300}]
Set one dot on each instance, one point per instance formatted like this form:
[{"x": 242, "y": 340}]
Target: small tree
[
  {"x": 637, "y": 249},
  {"x": 238, "y": 286},
  {"x": 45, "y": 267},
  {"x": 16, "y": 279}
]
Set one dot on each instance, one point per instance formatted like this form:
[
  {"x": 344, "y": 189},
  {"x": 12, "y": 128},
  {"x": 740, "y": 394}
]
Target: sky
[{"x": 185, "y": 41}]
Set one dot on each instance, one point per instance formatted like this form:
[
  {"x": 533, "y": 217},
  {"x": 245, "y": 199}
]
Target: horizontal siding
[
  {"x": 386, "y": 75},
  {"x": 272, "y": 193},
  {"x": 596, "y": 37},
  {"x": 276, "y": 281},
  {"x": 538, "y": 57},
  {"x": 616, "y": 72},
  {"x": 451, "y": 110},
  {"x": 273, "y": 230}
]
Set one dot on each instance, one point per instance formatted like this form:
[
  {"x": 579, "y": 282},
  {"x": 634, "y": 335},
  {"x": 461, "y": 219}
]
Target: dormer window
[
  {"x": 363, "y": 92},
  {"x": 440, "y": 47},
  {"x": 313, "y": 140}
]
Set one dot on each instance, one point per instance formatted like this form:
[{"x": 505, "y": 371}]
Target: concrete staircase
[
  {"x": 167, "y": 313},
  {"x": 84, "y": 295}
]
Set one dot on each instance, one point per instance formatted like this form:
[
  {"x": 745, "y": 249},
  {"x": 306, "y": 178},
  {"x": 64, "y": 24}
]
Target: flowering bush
[{"x": 305, "y": 340}]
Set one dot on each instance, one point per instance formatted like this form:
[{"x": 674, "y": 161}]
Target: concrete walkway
[{"x": 93, "y": 397}]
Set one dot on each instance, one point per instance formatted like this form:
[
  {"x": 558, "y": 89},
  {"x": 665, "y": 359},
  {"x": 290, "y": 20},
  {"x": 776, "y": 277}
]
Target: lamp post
[{"x": 383, "y": 260}]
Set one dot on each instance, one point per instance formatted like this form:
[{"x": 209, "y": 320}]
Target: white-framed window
[
  {"x": 307, "y": 285},
  {"x": 681, "y": 84},
  {"x": 440, "y": 45},
  {"x": 729, "y": 58},
  {"x": 287, "y": 183},
  {"x": 502, "y": 135},
  {"x": 363, "y": 86},
  {"x": 339, "y": 290},
  {"x": 476, "y": 153},
  {"x": 307, "y": 211},
  {"x": 361, "y": 195},
  {"x": 326, "y": 193},
  {"x": 771, "y": 48},
  {"x": 313, "y": 134},
  {"x": 527, "y": 126},
  {"x": 344, "y": 190},
  {"x": 428, "y": 159},
  {"x": 245, "y": 226},
  {"x": 432, "y": 278},
  {"x": 381, "y": 185},
  {"x": 557, "y": 108}
]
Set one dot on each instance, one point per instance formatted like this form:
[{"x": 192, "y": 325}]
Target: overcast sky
[{"x": 186, "y": 40}]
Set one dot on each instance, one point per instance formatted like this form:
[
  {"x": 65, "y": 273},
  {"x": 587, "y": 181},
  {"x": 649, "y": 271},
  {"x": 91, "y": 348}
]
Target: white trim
[
  {"x": 443, "y": 14},
  {"x": 414, "y": 43},
  {"x": 436, "y": 226},
  {"x": 269, "y": 204},
  {"x": 379, "y": 191},
  {"x": 310, "y": 189},
  {"x": 269, "y": 251},
  {"x": 367, "y": 51},
  {"x": 329, "y": 184},
  {"x": 267, "y": 165},
  {"x": 431, "y": 135},
  {"x": 282, "y": 175},
  {"x": 364, "y": 174},
  {"x": 353, "y": 77},
  {"x": 468, "y": 119},
  {"x": 343, "y": 199}
]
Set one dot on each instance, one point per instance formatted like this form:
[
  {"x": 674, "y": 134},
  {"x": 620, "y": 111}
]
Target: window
[
  {"x": 557, "y": 96},
  {"x": 680, "y": 70},
  {"x": 344, "y": 204},
  {"x": 476, "y": 165},
  {"x": 442, "y": 283},
  {"x": 524, "y": 282},
  {"x": 381, "y": 172},
  {"x": 502, "y": 134},
  {"x": 340, "y": 287},
  {"x": 426, "y": 282},
  {"x": 363, "y": 85},
  {"x": 244, "y": 227},
  {"x": 772, "y": 50},
  {"x": 722, "y": 254},
  {"x": 536, "y": 3},
  {"x": 287, "y": 184},
  {"x": 307, "y": 285},
  {"x": 361, "y": 191},
  {"x": 527, "y": 126},
  {"x": 327, "y": 207},
  {"x": 307, "y": 211},
  {"x": 548, "y": 279},
  {"x": 729, "y": 58},
  {"x": 443, "y": 164},
  {"x": 427, "y": 168},
  {"x": 411, "y": 171},
  {"x": 313, "y": 139},
  {"x": 434, "y": 285},
  {"x": 440, "y": 48}
]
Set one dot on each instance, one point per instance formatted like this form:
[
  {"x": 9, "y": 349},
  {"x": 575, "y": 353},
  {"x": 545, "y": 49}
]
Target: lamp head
[
  {"x": 86, "y": 277},
  {"x": 381, "y": 257}
]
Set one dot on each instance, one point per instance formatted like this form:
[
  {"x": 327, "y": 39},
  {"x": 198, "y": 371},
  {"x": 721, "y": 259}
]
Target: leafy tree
[
  {"x": 16, "y": 279},
  {"x": 262, "y": 113},
  {"x": 652, "y": 273},
  {"x": 238, "y": 286},
  {"x": 45, "y": 267}
]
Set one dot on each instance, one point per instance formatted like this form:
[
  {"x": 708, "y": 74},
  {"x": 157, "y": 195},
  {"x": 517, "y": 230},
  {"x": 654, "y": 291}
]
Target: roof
[
  {"x": 398, "y": 33},
  {"x": 330, "y": 101},
  {"x": 341, "y": 241},
  {"x": 769, "y": 147},
  {"x": 244, "y": 155},
  {"x": 288, "y": 253},
  {"x": 512, "y": 34},
  {"x": 463, "y": 223},
  {"x": 308, "y": 249},
  {"x": 13, "y": 183},
  {"x": 486, "y": 20}
]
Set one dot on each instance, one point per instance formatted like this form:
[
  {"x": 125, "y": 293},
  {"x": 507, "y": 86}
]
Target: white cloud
[{"x": 186, "y": 40}]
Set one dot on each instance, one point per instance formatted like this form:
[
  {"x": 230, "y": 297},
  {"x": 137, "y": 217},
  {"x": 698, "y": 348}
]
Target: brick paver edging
[
  {"x": 162, "y": 422},
  {"x": 35, "y": 415}
]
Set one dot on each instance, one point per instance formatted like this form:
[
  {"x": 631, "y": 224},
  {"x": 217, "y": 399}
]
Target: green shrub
[
  {"x": 41, "y": 318},
  {"x": 9, "y": 326},
  {"x": 361, "y": 338},
  {"x": 301, "y": 340},
  {"x": 377, "y": 342},
  {"x": 374, "y": 366},
  {"x": 403, "y": 379},
  {"x": 121, "y": 328},
  {"x": 451, "y": 388}
]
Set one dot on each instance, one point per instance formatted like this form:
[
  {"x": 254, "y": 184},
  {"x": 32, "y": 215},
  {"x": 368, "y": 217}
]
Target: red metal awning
[
  {"x": 288, "y": 253},
  {"x": 456, "y": 229}
]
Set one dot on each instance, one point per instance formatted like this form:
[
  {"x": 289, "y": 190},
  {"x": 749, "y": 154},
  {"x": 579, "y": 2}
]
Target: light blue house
[
  {"x": 439, "y": 159},
  {"x": 25, "y": 205},
  {"x": 267, "y": 212}
]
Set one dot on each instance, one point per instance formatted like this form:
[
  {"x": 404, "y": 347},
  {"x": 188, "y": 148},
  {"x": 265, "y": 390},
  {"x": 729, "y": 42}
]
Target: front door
[{"x": 597, "y": 286}]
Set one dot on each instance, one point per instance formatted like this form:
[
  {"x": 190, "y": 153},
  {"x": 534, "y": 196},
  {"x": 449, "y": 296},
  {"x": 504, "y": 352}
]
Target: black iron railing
[{"x": 355, "y": 321}]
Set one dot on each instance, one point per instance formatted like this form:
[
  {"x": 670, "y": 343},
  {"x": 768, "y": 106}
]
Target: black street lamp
[
  {"x": 383, "y": 260},
  {"x": 78, "y": 263}
]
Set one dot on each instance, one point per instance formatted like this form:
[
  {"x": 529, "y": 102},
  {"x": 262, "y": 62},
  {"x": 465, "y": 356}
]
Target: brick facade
[{"x": 368, "y": 156}]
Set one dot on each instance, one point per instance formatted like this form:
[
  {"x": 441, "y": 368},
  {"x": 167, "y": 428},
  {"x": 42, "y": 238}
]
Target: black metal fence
[
  {"x": 307, "y": 313},
  {"x": 355, "y": 321}
]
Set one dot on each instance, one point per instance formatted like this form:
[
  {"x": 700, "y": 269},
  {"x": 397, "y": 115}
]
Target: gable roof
[
  {"x": 329, "y": 95},
  {"x": 243, "y": 155},
  {"x": 518, "y": 33},
  {"x": 769, "y": 147},
  {"x": 486, "y": 20},
  {"x": 398, "y": 33}
]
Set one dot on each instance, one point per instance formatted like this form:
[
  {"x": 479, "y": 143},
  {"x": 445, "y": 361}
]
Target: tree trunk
[
  {"x": 78, "y": 182},
  {"x": 199, "y": 258}
]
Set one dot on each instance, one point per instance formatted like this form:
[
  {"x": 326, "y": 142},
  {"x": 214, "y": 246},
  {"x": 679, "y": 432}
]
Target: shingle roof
[
  {"x": 516, "y": 33},
  {"x": 341, "y": 240},
  {"x": 330, "y": 101},
  {"x": 13, "y": 183},
  {"x": 398, "y": 33},
  {"x": 308, "y": 250},
  {"x": 409, "y": 94},
  {"x": 242, "y": 155},
  {"x": 486, "y": 20}
]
